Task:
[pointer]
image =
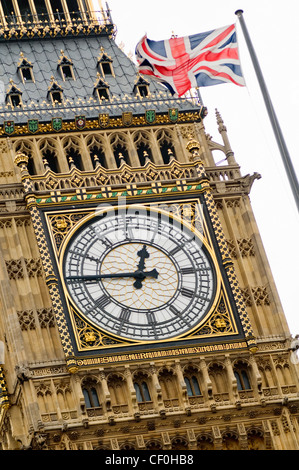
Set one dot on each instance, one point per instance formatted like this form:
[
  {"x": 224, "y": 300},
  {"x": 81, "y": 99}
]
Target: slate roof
[{"x": 83, "y": 51}]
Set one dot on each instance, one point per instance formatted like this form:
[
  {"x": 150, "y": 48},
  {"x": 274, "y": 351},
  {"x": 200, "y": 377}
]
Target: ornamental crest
[
  {"x": 104, "y": 119},
  {"x": 9, "y": 127},
  {"x": 33, "y": 125},
  {"x": 150, "y": 116},
  {"x": 173, "y": 114},
  {"x": 57, "y": 124},
  {"x": 80, "y": 122}
]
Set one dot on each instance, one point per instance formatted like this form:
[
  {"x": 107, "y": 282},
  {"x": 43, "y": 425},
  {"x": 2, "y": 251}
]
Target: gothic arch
[
  {"x": 167, "y": 142},
  {"x": 142, "y": 142},
  {"x": 97, "y": 148},
  {"x": 230, "y": 440},
  {"x": 256, "y": 440},
  {"x": 72, "y": 146},
  {"x": 154, "y": 444},
  {"x": 205, "y": 441},
  {"x": 64, "y": 395},
  {"x": 192, "y": 380},
  {"x": 118, "y": 389},
  {"x": 26, "y": 147},
  {"x": 179, "y": 443},
  {"x": 128, "y": 446},
  {"x": 242, "y": 373},
  {"x": 167, "y": 379},
  {"x": 49, "y": 153},
  {"x": 120, "y": 146},
  {"x": 217, "y": 373},
  {"x": 142, "y": 386}
]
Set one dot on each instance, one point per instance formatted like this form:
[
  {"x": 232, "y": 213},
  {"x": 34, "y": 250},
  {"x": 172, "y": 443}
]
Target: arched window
[
  {"x": 25, "y": 69},
  {"x": 13, "y": 96},
  {"x": 230, "y": 441},
  {"x": 166, "y": 147},
  {"x": 104, "y": 65},
  {"x": 91, "y": 397},
  {"x": 241, "y": 374},
  {"x": 142, "y": 391},
  {"x": 192, "y": 385},
  {"x": 141, "y": 87}
]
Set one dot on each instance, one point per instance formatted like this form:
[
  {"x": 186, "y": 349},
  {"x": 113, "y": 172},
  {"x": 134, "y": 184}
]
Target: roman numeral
[
  {"x": 187, "y": 293},
  {"x": 175, "y": 311},
  {"x": 102, "y": 302},
  {"x": 175, "y": 250},
  {"x": 125, "y": 315},
  {"x": 151, "y": 318},
  {"x": 188, "y": 270}
]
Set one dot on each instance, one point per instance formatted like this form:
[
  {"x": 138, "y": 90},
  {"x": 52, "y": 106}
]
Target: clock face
[{"x": 141, "y": 276}]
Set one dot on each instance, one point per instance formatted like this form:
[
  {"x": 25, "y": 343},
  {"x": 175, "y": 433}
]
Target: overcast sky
[{"x": 273, "y": 27}]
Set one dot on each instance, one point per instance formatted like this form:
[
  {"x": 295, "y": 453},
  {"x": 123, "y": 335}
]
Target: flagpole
[{"x": 273, "y": 119}]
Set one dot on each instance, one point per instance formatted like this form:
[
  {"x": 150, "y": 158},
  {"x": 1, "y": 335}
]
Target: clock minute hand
[
  {"x": 136, "y": 275},
  {"x": 99, "y": 276}
]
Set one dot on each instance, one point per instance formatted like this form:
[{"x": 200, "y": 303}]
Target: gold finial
[
  {"x": 193, "y": 147},
  {"x": 21, "y": 158}
]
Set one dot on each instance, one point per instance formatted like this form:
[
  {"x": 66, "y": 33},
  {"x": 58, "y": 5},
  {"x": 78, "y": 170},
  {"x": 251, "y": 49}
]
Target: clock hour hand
[{"x": 143, "y": 254}]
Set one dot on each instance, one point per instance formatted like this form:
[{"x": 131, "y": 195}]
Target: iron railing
[{"x": 61, "y": 19}]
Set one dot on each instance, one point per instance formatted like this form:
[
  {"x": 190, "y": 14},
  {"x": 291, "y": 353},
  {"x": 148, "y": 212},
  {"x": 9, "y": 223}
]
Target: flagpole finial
[{"x": 239, "y": 12}]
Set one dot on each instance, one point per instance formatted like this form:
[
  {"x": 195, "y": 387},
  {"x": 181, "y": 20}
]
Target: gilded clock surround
[{"x": 219, "y": 325}]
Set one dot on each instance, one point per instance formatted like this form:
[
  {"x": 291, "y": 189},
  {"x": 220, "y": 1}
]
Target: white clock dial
[{"x": 139, "y": 276}]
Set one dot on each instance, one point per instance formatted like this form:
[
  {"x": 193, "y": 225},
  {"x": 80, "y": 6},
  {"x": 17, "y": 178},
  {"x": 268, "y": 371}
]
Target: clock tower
[{"x": 139, "y": 311}]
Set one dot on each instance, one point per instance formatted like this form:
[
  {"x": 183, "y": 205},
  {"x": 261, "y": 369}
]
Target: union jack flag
[{"x": 199, "y": 60}]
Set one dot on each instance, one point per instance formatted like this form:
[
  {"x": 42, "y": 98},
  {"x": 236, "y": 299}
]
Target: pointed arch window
[
  {"x": 101, "y": 89},
  {"x": 14, "y": 96},
  {"x": 105, "y": 65},
  {"x": 142, "y": 391},
  {"x": 91, "y": 397},
  {"x": 25, "y": 69},
  {"x": 90, "y": 393},
  {"x": 242, "y": 377},
  {"x": 55, "y": 93},
  {"x": 66, "y": 68},
  {"x": 192, "y": 385},
  {"x": 141, "y": 87}
]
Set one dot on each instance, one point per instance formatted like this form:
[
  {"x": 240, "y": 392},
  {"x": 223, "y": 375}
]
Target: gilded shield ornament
[
  {"x": 104, "y": 119},
  {"x": 127, "y": 118},
  {"x": 80, "y": 122},
  {"x": 150, "y": 116},
  {"x": 173, "y": 114},
  {"x": 57, "y": 124},
  {"x": 33, "y": 125},
  {"x": 9, "y": 127}
]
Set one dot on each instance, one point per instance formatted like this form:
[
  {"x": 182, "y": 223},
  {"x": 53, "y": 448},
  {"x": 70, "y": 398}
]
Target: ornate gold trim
[{"x": 218, "y": 322}]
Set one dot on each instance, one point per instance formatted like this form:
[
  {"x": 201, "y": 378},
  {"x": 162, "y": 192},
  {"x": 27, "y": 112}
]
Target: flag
[{"x": 199, "y": 60}]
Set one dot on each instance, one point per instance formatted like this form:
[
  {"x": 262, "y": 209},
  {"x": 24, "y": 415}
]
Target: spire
[{"x": 223, "y": 131}]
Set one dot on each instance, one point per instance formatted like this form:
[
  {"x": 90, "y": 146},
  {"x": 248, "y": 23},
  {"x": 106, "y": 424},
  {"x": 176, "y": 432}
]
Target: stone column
[
  {"x": 131, "y": 388},
  {"x": 157, "y": 386},
  {"x": 105, "y": 389},
  {"x": 231, "y": 377},
  {"x": 206, "y": 377}
]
